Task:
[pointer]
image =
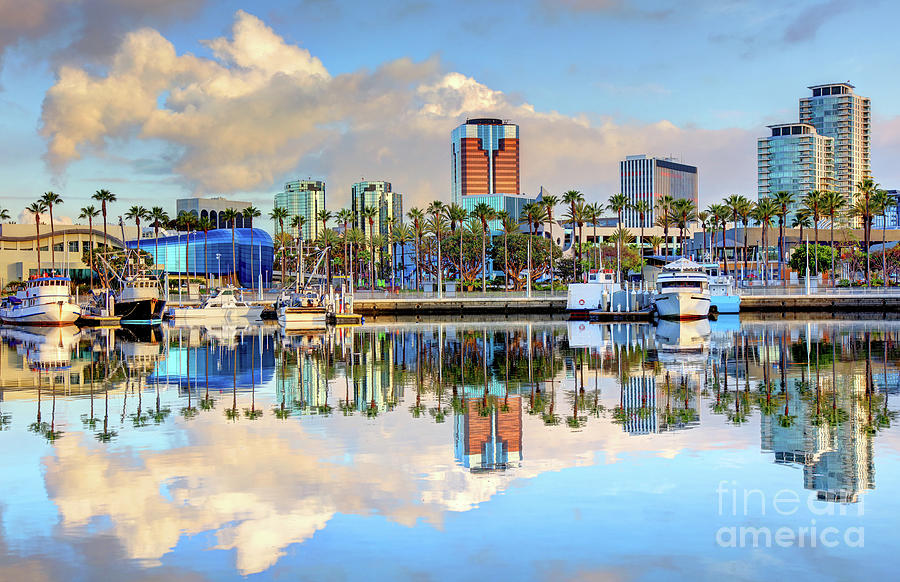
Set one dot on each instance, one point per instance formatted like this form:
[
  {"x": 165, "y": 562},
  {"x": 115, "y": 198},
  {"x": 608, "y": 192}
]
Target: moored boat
[
  {"x": 683, "y": 291},
  {"x": 302, "y": 311},
  {"x": 227, "y": 303},
  {"x": 44, "y": 301},
  {"x": 582, "y": 298},
  {"x": 723, "y": 296},
  {"x": 139, "y": 302}
]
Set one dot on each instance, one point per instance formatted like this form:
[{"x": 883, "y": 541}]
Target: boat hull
[
  {"x": 44, "y": 315},
  {"x": 682, "y": 305},
  {"x": 142, "y": 311},
  {"x": 726, "y": 304},
  {"x": 216, "y": 313},
  {"x": 302, "y": 317}
]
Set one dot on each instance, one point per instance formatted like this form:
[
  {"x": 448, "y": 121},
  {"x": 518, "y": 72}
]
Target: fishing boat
[
  {"x": 683, "y": 291},
  {"x": 302, "y": 311},
  {"x": 45, "y": 349},
  {"x": 139, "y": 301},
  {"x": 43, "y": 301},
  {"x": 582, "y": 298},
  {"x": 225, "y": 304}
]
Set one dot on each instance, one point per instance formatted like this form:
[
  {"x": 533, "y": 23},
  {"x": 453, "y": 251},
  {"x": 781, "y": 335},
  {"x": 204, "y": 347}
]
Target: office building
[
  {"x": 211, "y": 209},
  {"x": 489, "y": 440},
  {"x": 795, "y": 158},
  {"x": 649, "y": 179},
  {"x": 837, "y": 112},
  {"x": 891, "y": 218},
  {"x": 183, "y": 253},
  {"x": 378, "y": 195},
  {"x": 498, "y": 202},
  {"x": 484, "y": 158},
  {"x": 304, "y": 198}
]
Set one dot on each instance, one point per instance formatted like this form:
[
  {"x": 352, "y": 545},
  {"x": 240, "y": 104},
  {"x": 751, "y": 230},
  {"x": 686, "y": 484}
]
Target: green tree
[
  {"x": 229, "y": 215},
  {"x": 864, "y": 209},
  {"x": 532, "y": 213},
  {"x": 158, "y": 218},
  {"x": 737, "y": 203},
  {"x": 820, "y": 257},
  {"x": 369, "y": 213},
  {"x": 642, "y": 207},
  {"x": 50, "y": 199},
  {"x": 549, "y": 202},
  {"x": 833, "y": 204},
  {"x": 36, "y": 209},
  {"x": 436, "y": 210},
  {"x": 345, "y": 217},
  {"x": 783, "y": 200},
  {"x": 510, "y": 226},
  {"x": 573, "y": 198},
  {"x": 400, "y": 236},
  {"x": 205, "y": 225},
  {"x": 457, "y": 215},
  {"x": 418, "y": 219},
  {"x": 483, "y": 213},
  {"x": 883, "y": 201},
  {"x": 618, "y": 203},
  {"x": 516, "y": 251},
  {"x": 812, "y": 202},
  {"x": 89, "y": 212},
  {"x": 664, "y": 218},
  {"x": 278, "y": 214},
  {"x": 766, "y": 209},
  {"x": 104, "y": 197},
  {"x": 685, "y": 212},
  {"x": 250, "y": 213}
]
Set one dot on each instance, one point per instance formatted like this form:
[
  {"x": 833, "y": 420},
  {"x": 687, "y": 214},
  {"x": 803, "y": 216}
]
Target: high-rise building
[
  {"x": 890, "y": 218},
  {"x": 795, "y": 158},
  {"x": 837, "y": 112},
  {"x": 649, "y": 179},
  {"x": 303, "y": 198},
  {"x": 378, "y": 195},
  {"x": 484, "y": 158}
]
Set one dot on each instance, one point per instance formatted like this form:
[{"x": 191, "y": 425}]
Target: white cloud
[{"x": 262, "y": 110}]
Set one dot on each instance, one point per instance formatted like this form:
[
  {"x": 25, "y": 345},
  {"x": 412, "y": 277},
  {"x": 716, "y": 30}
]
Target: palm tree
[
  {"x": 655, "y": 242},
  {"x": 572, "y": 198},
  {"x": 355, "y": 238},
  {"x": 137, "y": 213},
  {"x": 483, "y": 212},
  {"x": 734, "y": 203},
  {"x": 549, "y": 202},
  {"x": 298, "y": 223},
  {"x": 642, "y": 207},
  {"x": 783, "y": 199},
  {"x": 510, "y": 226},
  {"x": 250, "y": 213},
  {"x": 369, "y": 213},
  {"x": 377, "y": 241},
  {"x": 456, "y": 214},
  {"x": 186, "y": 222},
  {"x": 90, "y": 213},
  {"x": 766, "y": 209},
  {"x": 402, "y": 235},
  {"x": 684, "y": 210},
  {"x": 104, "y": 197},
  {"x": 278, "y": 214},
  {"x": 229, "y": 215},
  {"x": 205, "y": 225},
  {"x": 159, "y": 217},
  {"x": 832, "y": 204},
  {"x": 436, "y": 210},
  {"x": 866, "y": 211},
  {"x": 49, "y": 199},
  {"x": 724, "y": 214},
  {"x": 812, "y": 202},
  {"x": 801, "y": 221},
  {"x": 324, "y": 216},
  {"x": 36, "y": 209},
  {"x": 664, "y": 218},
  {"x": 345, "y": 217},
  {"x": 532, "y": 213},
  {"x": 618, "y": 203},
  {"x": 418, "y": 219},
  {"x": 744, "y": 208},
  {"x": 883, "y": 201},
  {"x": 4, "y": 214},
  {"x": 593, "y": 213},
  {"x": 703, "y": 218}
]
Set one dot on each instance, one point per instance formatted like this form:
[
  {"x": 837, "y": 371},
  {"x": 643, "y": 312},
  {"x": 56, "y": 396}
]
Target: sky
[{"x": 176, "y": 98}]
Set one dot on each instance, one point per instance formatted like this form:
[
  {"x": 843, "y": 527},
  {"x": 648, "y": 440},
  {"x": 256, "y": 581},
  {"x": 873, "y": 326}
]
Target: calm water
[{"x": 453, "y": 451}]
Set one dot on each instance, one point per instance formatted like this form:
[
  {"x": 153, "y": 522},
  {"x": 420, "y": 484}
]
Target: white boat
[
  {"x": 723, "y": 294},
  {"x": 585, "y": 297},
  {"x": 140, "y": 301},
  {"x": 226, "y": 304},
  {"x": 683, "y": 291},
  {"x": 302, "y": 311},
  {"x": 45, "y": 349},
  {"x": 45, "y": 301}
]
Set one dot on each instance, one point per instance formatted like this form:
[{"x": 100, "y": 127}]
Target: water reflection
[{"x": 216, "y": 429}]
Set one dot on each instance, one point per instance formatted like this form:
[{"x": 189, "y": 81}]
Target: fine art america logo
[{"x": 809, "y": 522}]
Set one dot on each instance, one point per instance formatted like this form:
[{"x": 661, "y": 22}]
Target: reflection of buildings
[
  {"x": 491, "y": 439},
  {"x": 837, "y": 460},
  {"x": 649, "y": 408}
]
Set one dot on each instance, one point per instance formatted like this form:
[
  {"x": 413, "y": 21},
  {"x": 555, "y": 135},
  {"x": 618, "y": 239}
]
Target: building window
[
  {"x": 85, "y": 246},
  {"x": 73, "y": 246},
  {"x": 58, "y": 247}
]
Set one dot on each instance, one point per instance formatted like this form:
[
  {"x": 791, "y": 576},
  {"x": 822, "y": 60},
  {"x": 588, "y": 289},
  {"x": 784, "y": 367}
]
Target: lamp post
[{"x": 219, "y": 267}]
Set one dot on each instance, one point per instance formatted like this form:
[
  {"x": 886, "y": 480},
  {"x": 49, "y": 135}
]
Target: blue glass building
[{"x": 184, "y": 253}]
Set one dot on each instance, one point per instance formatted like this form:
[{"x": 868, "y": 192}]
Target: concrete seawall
[
  {"x": 460, "y": 306},
  {"x": 824, "y": 303}
]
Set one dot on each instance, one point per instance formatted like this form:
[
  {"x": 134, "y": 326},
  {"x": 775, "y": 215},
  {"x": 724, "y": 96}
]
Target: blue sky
[{"x": 382, "y": 85}]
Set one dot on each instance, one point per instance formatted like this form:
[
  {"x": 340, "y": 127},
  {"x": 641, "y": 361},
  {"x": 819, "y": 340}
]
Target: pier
[{"x": 498, "y": 303}]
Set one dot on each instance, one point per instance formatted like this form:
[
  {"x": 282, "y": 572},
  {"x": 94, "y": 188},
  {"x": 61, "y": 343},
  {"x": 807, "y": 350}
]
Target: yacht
[
  {"x": 44, "y": 349},
  {"x": 139, "y": 301},
  {"x": 723, "y": 295},
  {"x": 227, "y": 303},
  {"x": 585, "y": 297},
  {"x": 683, "y": 289},
  {"x": 43, "y": 301},
  {"x": 302, "y": 311}
]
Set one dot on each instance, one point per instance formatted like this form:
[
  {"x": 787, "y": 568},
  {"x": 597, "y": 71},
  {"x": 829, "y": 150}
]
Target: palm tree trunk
[
  {"x": 483, "y": 263},
  {"x": 833, "y": 260},
  {"x": 781, "y": 251},
  {"x": 724, "y": 256},
  {"x": 37, "y": 230},
  {"x": 206, "y": 259},
  {"x": 883, "y": 252},
  {"x": 233, "y": 256},
  {"x": 91, "y": 253},
  {"x": 52, "y": 241},
  {"x": 252, "y": 271},
  {"x": 816, "y": 232},
  {"x": 505, "y": 262}
]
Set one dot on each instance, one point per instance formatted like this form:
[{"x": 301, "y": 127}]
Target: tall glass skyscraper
[
  {"x": 303, "y": 198},
  {"x": 795, "y": 159},
  {"x": 484, "y": 158},
  {"x": 837, "y": 112},
  {"x": 378, "y": 195},
  {"x": 649, "y": 179}
]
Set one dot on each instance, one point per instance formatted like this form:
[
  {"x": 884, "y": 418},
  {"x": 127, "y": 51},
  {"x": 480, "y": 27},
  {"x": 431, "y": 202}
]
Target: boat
[
  {"x": 139, "y": 301},
  {"x": 302, "y": 311},
  {"x": 723, "y": 295},
  {"x": 582, "y": 298},
  {"x": 43, "y": 301},
  {"x": 45, "y": 349},
  {"x": 227, "y": 303},
  {"x": 683, "y": 291}
]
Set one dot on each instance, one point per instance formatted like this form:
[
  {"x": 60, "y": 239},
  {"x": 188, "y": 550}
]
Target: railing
[
  {"x": 775, "y": 289},
  {"x": 468, "y": 295}
]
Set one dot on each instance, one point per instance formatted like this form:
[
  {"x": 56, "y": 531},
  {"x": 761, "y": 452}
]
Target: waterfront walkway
[{"x": 498, "y": 303}]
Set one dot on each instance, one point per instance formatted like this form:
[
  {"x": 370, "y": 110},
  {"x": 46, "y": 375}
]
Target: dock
[
  {"x": 462, "y": 304},
  {"x": 838, "y": 301}
]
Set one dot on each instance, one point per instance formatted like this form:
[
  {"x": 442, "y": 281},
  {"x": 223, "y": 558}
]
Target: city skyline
[{"x": 311, "y": 107}]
